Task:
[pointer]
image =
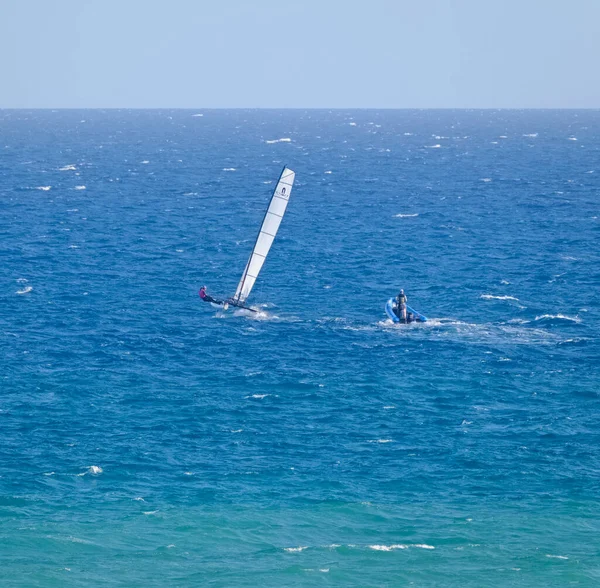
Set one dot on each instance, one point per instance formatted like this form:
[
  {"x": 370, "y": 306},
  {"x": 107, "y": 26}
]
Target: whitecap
[
  {"x": 282, "y": 140},
  {"x": 48, "y": 473},
  {"x": 572, "y": 138},
  {"x": 44, "y": 188},
  {"x": 486, "y": 179},
  {"x": 294, "y": 549},
  {"x": 556, "y": 556},
  {"x": 259, "y": 396},
  {"x": 199, "y": 114},
  {"x": 424, "y": 546},
  {"x": 328, "y": 171},
  {"x": 67, "y": 168},
  {"x": 573, "y": 319},
  {"x": 406, "y": 215},
  {"x": 79, "y": 188},
  {"x": 149, "y": 512},
  {"x": 532, "y": 135},
  {"x": 229, "y": 169},
  {"x": 352, "y": 124},
  {"x": 438, "y": 146},
  {"x": 381, "y": 441},
  {"x": 388, "y": 547},
  {"x": 25, "y": 290},
  {"x": 94, "y": 470},
  {"x": 492, "y": 297},
  {"x": 145, "y": 161}
]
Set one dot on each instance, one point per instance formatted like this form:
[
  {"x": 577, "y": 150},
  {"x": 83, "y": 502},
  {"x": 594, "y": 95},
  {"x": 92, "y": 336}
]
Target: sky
[{"x": 299, "y": 54}]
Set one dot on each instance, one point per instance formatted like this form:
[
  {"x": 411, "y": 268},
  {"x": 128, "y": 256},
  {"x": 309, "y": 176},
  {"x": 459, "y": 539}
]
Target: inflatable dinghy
[{"x": 412, "y": 316}]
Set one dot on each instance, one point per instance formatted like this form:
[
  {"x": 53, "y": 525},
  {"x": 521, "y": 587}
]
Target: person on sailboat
[
  {"x": 401, "y": 301},
  {"x": 207, "y": 298}
]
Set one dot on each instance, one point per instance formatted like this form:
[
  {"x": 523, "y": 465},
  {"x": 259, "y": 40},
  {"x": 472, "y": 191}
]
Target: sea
[{"x": 149, "y": 439}]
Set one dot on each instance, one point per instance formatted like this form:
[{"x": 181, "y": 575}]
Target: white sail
[{"x": 266, "y": 235}]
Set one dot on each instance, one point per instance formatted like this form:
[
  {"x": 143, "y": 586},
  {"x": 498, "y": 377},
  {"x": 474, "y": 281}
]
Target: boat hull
[{"x": 389, "y": 310}]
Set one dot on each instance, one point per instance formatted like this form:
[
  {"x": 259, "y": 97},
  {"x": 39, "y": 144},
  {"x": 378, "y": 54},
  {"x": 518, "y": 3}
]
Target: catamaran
[{"x": 262, "y": 245}]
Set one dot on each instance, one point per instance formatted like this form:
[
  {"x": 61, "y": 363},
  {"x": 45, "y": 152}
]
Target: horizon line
[{"x": 55, "y": 108}]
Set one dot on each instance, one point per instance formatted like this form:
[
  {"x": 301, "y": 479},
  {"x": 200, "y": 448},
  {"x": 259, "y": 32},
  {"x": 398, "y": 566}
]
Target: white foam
[
  {"x": 197, "y": 114},
  {"x": 25, "y": 290},
  {"x": 282, "y": 140},
  {"x": 294, "y": 549},
  {"x": 406, "y": 215},
  {"x": 95, "y": 470},
  {"x": 79, "y": 188},
  {"x": 486, "y": 179},
  {"x": 22, "y": 280},
  {"x": 259, "y": 396},
  {"x": 532, "y": 135},
  {"x": 352, "y": 124},
  {"x": 328, "y": 171},
  {"x": 573, "y": 319},
  {"x": 67, "y": 168},
  {"x": 388, "y": 547},
  {"x": 423, "y": 546},
  {"x": 438, "y": 146},
  {"x": 572, "y": 138},
  {"x": 48, "y": 473},
  {"x": 44, "y": 188},
  {"x": 145, "y": 161},
  {"x": 139, "y": 499},
  {"x": 229, "y": 169},
  {"x": 492, "y": 297},
  {"x": 149, "y": 512},
  {"x": 381, "y": 441},
  {"x": 557, "y": 556}
]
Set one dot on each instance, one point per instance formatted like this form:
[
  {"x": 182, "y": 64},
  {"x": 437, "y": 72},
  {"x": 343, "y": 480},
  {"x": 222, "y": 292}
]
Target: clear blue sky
[{"x": 301, "y": 53}]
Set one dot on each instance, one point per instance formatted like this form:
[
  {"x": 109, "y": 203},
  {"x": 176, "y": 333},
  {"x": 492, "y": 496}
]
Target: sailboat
[{"x": 262, "y": 245}]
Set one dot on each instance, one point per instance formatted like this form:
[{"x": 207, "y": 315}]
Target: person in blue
[{"x": 401, "y": 301}]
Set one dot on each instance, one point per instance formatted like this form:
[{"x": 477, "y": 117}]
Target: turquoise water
[{"x": 149, "y": 440}]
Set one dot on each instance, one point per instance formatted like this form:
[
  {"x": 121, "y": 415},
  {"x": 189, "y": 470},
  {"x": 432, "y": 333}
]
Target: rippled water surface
[{"x": 149, "y": 440}]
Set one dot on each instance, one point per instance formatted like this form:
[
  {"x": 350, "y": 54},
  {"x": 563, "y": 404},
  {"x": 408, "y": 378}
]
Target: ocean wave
[
  {"x": 25, "y": 290},
  {"x": 531, "y": 135},
  {"x": 558, "y": 317},
  {"x": 282, "y": 140},
  {"x": 199, "y": 114},
  {"x": 229, "y": 169},
  {"x": 493, "y": 297},
  {"x": 406, "y": 215},
  {"x": 70, "y": 167},
  {"x": 295, "y": 549},
  {"x": 44, "y": 188},
  {"x": 79, "y": 188},
  {"x": 437, "y": 146}
]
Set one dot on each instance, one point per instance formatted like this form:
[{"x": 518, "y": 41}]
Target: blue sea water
[{"x": 147, "y": 439}]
